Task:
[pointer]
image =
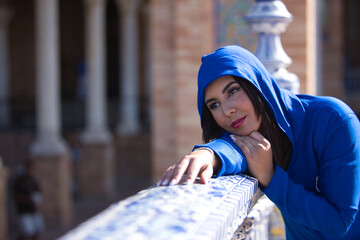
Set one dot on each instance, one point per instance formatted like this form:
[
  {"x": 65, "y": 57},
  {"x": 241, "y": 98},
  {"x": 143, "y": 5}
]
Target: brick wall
[
  {"x": 181, "y": 32},
  {"x": 294, "y": 41},
  {"x": 299, "y": 43}
]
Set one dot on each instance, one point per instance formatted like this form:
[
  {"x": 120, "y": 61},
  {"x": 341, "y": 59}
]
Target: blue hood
[{"x": 236, "y": 61}]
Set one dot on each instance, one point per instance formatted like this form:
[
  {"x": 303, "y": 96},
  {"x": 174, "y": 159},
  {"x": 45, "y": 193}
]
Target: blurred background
[{"x": 101, "y": 94}]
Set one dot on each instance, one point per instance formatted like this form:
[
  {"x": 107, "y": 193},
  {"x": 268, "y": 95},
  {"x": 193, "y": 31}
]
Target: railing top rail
[{"x": 197, "y": 211}]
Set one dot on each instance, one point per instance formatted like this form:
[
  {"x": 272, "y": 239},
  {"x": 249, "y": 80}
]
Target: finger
[
  {"x": 256, "y": 135},
  {"x": 240, "y": 143},
  {"x": 206, "y": 175},
  {"x": 262, "y": 140},
  {"x": 193, "y": 171},
  {"x": 179, "y": 171},
  {"x": 245, "y": 148},
  {"x": 247, "y": 144},
  {"x": 255, "y": 141},
  {"x": 250, "y": 142},
  {"x": 247, "y": 140},
  {"x": 165, "y": 178}
]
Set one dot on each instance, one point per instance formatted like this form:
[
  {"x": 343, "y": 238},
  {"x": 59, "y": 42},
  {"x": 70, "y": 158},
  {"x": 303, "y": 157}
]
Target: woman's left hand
[{"x": 258, "y": 153}]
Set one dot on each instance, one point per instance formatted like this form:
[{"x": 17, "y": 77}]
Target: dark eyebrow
[
  {"x": 223, "y": 91},
  {"x": 209, "y": 100},
  {"x": 228, "y": 86}
]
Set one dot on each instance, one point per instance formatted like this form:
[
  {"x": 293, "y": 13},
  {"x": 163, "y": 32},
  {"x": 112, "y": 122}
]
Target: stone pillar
[
  {"x": 132, "y": 141},
  {"x": 96, "y": 115},
  {"x": 48, "y": 140},
  {"x": 269, "y": 18},
  {"x": 129, "y": 103},
  {"x": 4, "y": 68},
  {"x": 49, "y": 150},
  {"x": 3, "y": 204},
  {"x": 96, "y": 163}
]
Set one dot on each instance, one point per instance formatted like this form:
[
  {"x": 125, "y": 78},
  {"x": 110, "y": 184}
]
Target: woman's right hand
[{"x": 199, "y": 163}]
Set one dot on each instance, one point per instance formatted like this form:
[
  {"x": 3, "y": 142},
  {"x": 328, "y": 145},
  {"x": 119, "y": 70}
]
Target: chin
[{"x": 240, "y": 133}]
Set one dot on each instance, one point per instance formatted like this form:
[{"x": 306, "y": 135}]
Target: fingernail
[
  {"x": 172, "y": 182},
  {"x": 187, "y": 182},
  {"x": 165, "y": 182},
  {"x": 233, "y": 137}
]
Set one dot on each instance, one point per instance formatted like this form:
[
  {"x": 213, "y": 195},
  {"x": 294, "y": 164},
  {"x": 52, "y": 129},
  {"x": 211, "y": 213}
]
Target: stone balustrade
[{"x": 213, "y": 211}]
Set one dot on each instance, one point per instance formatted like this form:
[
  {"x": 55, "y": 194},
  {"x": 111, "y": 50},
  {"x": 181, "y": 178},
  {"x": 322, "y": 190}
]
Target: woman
[{"x": 304, "y": 150}]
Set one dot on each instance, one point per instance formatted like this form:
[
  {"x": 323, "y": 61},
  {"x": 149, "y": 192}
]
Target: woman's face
[{"x": 231, "y": 107}]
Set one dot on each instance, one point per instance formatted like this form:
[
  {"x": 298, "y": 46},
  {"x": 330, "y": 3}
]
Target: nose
[{"x": 228, "y": 109}]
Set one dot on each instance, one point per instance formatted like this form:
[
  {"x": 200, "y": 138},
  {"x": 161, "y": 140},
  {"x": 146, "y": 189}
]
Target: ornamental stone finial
[{"x": 269, "y": 18}]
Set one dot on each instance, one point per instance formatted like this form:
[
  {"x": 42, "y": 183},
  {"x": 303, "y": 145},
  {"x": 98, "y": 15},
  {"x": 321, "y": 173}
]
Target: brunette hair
[{"x": 280, "y": 143}]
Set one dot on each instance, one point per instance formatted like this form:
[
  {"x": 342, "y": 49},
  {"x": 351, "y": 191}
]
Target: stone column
[
  {"x": 4, "y": 68},
  {"x": 48, "y": 140},
  {"x": 133, "y": 144},
  {"x": 96, "y": 115},
  {"x": 129, "y": 103},
  {"x": 96, "y": 163},
  {"x": 49, "y": 150}
]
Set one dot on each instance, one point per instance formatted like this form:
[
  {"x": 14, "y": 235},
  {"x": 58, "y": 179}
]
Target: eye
[
  {"x": 213, "y": 105},
  {"x": 233, "y": 90}
]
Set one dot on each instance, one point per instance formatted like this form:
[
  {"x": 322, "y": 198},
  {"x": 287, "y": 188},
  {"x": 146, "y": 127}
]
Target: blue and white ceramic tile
[{"x": 197, "y": 211}]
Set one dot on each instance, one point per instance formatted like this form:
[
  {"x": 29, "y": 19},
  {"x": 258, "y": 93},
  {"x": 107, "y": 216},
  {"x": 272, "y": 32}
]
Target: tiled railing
[{"x": 196, "y": 211}]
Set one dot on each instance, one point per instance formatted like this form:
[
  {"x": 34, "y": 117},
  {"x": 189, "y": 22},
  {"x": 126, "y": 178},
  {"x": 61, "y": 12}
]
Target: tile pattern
[
  {"x": 197, "y": 211},
  {"x": 256, "y": 224}
]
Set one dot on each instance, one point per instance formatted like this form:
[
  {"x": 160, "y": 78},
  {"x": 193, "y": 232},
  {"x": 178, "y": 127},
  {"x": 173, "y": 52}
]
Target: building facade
[{"x": 97, "y": 89}]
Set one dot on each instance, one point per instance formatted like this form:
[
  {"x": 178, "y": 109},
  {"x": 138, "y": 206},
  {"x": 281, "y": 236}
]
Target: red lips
[{"x": 238, "y": 122}]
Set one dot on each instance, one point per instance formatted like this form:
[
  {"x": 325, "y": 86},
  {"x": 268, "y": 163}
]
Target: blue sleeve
[
  {"x": 332, "y": 209},
  {"x": 232, "y": 159}
]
